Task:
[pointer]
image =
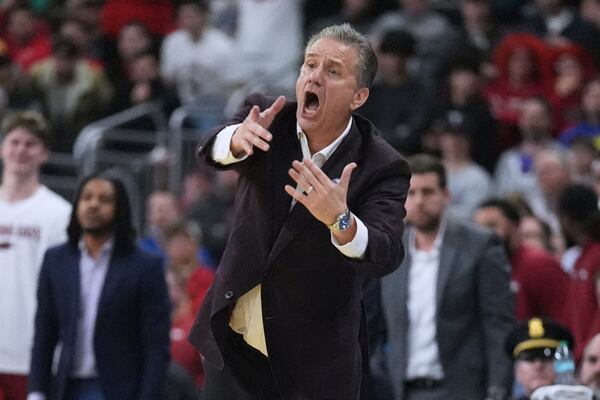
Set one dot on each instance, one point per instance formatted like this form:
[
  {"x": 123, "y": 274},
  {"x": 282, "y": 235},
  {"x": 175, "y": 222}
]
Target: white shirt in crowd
[
  {"x": 27, "y": 229},
  {"x": 423, "y": 350}
]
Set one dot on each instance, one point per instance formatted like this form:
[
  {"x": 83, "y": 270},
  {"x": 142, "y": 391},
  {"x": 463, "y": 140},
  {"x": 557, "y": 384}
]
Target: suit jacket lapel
[
  {"x": 297, "y": 219},
  {"x": 111, "y": 282},
  {"x": 288, "y": 151},
  {"x": 449, "y": 252}
]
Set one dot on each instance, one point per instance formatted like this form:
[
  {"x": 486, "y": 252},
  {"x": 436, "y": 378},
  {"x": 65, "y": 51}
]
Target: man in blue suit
[{"x": 102, "y": 322}]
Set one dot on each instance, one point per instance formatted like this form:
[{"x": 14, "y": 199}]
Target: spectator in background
[
  {"x": 580, "y": 221},
  {"x": 88, "y": 13},
  {"x": 189, "y": 281},
  {"x": 479, "y": 30},
  {"x": 270, "y": 51},
  {"x": 581, "y": 154},
  {"x": 27, "y": 38},
  {"x": 536, "y": 233},
  {"x": 468, "y": 183},
  {"x": 515, "y": 169},
  {"x": 197, "y": 59},
  {"x": 104, "y": 303},
  {"x": 162, "y": 211},
  {"x": 396, "y": 103},
  {"x": 539, "y": 283},
  {"x": 557, "y": 21},
  {"x": 464, "y": 101},
  {"x": 448, "y": 307},
  {"x": 589, "y": 126},
  {"x": 144, "y": 85},
  {"x": 589, "y": 370},
  {"x": 77, "y": 32},
  {"x": 520, "y": 60},
  {"x": 553, "y": 174},
  {"x": 133, "y": 39},
  {"x": 571, "y": 67},
  {"x": 71, "y": 92},
  {"x": 15, "y": 90},
  {"x": 32, "y": 219},
  {"x": 531, "y": 345},
  {"x": 435, "y": 36},
  {"x": 214, "y": 212}
]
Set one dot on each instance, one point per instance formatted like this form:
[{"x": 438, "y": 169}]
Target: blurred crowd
[{"x": 505, "y": 93}]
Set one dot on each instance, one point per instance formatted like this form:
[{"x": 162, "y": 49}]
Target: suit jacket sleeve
[
  {"x": 497, "y": 312},
  {"x": 46, "y": 333},
  {"x": 381, "y": 209},
  {"x": 155, "y": 326}
]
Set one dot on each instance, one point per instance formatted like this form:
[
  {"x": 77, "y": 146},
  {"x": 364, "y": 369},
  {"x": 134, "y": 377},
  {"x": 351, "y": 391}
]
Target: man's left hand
[{"x": 324, "y": 198}]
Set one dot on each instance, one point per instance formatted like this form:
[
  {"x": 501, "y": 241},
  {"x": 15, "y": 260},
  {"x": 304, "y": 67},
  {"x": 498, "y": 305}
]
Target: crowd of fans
[{"x": 505, "y": 93}]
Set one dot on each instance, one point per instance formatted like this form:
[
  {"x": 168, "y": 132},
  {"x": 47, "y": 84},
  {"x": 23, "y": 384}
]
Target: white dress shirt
[
  {"x": 92, "y": 273},
  {"x": 423, "y": 351}
]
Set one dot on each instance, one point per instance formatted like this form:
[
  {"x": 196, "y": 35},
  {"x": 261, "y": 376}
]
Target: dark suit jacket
[
  {"x": 475, "y": 313},
  {"x": 131, "y": 337},
  {"x": 311, "y": 294}
]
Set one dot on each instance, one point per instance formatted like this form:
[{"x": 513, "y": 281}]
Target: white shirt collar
[
  {"x": 328, "y": 150},
  {"x": 107, "y": 247}
]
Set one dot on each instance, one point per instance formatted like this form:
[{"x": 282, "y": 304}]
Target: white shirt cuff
[
  {"x": 357, "y": 247},
  {"x": 221, "y": 150},
  {"x": 36, "y": 396}
]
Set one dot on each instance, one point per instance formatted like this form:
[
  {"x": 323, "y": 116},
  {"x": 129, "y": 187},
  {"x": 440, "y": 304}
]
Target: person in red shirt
[
  {"x": 580, "y": 220},
  {"x": 539, "y": 283},
  {"x": 188, "y": 283},
  {"x": 27, "y": 39}
]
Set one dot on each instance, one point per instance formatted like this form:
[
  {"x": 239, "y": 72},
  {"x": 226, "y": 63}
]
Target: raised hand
[
  {"x": 253, "y": 132},
  {"x": 324, "y": 198}
]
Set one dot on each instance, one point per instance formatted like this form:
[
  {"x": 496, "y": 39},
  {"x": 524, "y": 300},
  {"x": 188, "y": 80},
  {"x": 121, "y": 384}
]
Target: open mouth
[{"x": 311, "y": 101}]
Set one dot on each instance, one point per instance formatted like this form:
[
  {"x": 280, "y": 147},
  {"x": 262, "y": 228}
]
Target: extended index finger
[{"x": 269, "y": 114}]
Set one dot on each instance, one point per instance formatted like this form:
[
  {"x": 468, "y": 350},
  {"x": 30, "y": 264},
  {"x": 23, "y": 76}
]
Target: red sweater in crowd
[
  {"x": 540, "y": 284},
  {"x": 582, "y": 308}
]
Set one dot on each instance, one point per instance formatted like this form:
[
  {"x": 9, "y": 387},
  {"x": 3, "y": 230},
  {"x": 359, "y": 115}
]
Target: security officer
[{"x": 531, "y": 345}]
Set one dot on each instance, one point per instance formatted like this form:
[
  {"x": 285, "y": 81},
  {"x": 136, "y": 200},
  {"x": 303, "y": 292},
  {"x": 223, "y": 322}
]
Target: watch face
[{"x": 344, "y": 221}]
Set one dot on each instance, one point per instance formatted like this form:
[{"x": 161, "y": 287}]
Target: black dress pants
[{"x": 245, "y": 376}]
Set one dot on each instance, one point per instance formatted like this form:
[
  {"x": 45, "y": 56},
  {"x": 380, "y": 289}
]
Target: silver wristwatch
[{"x": 342, "y": 222}]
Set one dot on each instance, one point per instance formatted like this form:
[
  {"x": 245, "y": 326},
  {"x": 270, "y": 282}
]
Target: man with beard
[
  {"x": 103, "y": 308},
  {"x": 539, "y": 283},
  {"x": 448, "y": 308}
]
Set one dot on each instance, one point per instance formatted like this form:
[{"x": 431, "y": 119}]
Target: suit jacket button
[{"x": 228, "y": 294}]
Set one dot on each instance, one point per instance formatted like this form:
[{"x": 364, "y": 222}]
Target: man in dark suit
[
  {"x": 102, "y": 322},
  {"x": 284, "y": 317},
  {"x": 448, "y": 308}
]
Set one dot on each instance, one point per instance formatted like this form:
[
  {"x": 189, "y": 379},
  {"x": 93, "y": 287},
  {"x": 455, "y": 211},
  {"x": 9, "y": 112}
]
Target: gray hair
[{"x": 344, "y": 33}]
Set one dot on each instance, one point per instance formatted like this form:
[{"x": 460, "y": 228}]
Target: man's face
[
  {"x": 191, "y": 18},
  {"x": 327, "y": 88},
  {"x": 492, "y": 218},
  {"x": 97, "y": 207},
  {"x": 426, "y": 201},
  {"x": 22, "y": 153},
  {"x": 589, "y": 374},
  {"x": 534, "y": 374},
  {"x": 535, "y": 121},
  {"x": 162, "y": 209}
]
